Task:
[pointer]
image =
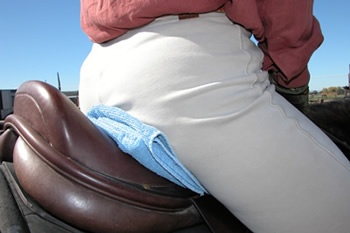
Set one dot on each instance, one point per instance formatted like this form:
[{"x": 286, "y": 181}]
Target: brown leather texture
[
  {"x": 7, "y": 143},
  {"x": 79, "y": 174}
]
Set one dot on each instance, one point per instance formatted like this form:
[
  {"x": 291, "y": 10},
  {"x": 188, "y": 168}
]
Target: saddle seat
[{"x": 77, "y": 173}]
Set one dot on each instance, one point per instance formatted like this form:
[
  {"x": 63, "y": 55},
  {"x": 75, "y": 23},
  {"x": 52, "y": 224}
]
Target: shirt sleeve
[{"x": 291, "y": 35}]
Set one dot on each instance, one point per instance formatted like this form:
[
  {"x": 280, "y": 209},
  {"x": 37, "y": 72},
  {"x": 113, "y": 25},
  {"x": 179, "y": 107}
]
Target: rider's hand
[{"x": 299, "y": 97}]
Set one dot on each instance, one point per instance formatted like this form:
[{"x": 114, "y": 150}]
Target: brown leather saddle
[{"x": 77, "y": 173}]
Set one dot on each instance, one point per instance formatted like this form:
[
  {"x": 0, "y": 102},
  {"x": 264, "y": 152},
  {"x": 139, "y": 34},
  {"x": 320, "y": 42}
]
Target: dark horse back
[{"x": 334, "y": 119}]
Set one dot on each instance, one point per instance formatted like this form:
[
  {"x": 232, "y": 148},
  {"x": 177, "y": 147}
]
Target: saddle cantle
[{"x": 77, "y": 173}]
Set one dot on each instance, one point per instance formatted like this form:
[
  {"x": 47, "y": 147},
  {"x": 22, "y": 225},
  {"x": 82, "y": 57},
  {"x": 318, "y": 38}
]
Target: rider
[{"x": 189, "y": 68}]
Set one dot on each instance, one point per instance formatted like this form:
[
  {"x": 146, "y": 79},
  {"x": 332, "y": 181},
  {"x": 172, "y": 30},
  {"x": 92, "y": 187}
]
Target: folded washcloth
[{"x": 145, "y": 143}]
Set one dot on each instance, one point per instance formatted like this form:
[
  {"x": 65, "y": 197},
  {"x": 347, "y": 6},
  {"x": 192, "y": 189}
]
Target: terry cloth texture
[{"x": 145, "y": 143}]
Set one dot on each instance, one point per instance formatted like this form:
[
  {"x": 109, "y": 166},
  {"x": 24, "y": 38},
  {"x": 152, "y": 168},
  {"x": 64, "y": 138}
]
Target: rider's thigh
[{"x": 277, "y": 172}]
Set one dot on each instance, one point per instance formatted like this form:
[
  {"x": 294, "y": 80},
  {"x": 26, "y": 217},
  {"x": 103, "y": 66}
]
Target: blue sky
[{"x": 40, "y": 38}]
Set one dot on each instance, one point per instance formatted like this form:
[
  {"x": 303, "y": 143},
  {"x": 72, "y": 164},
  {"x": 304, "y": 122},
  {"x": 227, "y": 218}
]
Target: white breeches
[{"x": 200, "y": 82}]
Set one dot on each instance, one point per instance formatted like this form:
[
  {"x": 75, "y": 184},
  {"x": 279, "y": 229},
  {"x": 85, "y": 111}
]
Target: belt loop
[{"x": 221, "y": 10}]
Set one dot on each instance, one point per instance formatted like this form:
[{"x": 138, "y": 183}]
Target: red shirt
[{"x": 286, "y": 30}]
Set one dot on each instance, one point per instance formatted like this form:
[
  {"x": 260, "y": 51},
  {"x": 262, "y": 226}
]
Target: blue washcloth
[{"x": 146, "y": 144}]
